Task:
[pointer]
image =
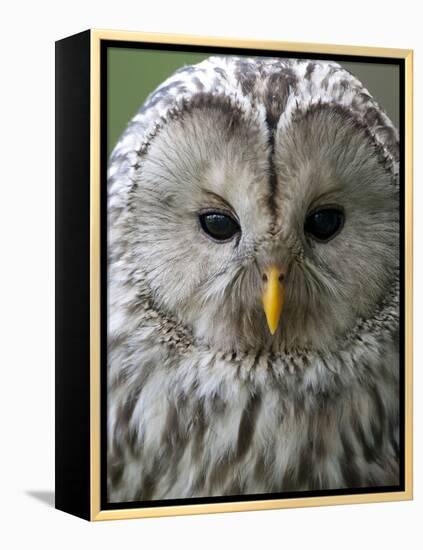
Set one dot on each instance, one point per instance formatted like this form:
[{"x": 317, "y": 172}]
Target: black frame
[
  {"x": 72, "y": 202},
  {"x": 73, "y": 73}
]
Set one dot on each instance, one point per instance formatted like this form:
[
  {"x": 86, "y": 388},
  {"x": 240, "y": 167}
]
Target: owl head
[{"x": 256, "y": 199}]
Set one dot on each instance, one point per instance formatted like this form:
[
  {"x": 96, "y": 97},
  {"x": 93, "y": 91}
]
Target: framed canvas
[{"x": 233, "y": 274}]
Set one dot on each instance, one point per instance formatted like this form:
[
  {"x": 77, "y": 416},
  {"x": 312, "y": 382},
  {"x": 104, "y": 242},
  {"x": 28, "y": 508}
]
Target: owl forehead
[
  {"x": 271, "y": 82},
  {"x": 266, "y": 92}
]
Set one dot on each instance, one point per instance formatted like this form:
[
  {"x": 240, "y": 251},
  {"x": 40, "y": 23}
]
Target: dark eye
[
  {"x": 219, "y": 226},
  {"x": 323, "y": 224}
]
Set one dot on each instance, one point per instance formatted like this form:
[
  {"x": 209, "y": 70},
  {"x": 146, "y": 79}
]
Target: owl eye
[
  {"x": 220, "y": 227},
  {"x": 323, "y": 224}
]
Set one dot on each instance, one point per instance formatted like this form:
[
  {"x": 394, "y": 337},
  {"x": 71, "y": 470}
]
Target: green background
[{"x": 133, "y": 73}]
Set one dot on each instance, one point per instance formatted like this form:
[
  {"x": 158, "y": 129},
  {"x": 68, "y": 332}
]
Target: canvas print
[{"x": 253, "y": 276}]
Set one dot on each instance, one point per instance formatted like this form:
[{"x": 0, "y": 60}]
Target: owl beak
[{"x": 273, "y": 296}]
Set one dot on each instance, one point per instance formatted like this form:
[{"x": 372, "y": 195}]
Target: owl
[{"x": 253, "y": 285}]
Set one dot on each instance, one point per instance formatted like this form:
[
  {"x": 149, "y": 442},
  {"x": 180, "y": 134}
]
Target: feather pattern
[{"x": 201, "y": 400}]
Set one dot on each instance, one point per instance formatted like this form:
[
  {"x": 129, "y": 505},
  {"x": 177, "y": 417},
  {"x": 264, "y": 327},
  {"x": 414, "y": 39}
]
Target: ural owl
[{"x": 253, "y": 285}]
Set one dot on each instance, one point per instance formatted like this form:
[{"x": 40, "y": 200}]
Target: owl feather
[{"x": 203, "y": 400}]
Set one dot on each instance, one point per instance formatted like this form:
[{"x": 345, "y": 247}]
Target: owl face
[{"x": 264, "y": 236}]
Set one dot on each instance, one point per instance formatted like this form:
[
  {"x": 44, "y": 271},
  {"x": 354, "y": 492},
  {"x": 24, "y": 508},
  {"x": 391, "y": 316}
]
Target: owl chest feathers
[{"x": 191, "y": 424}]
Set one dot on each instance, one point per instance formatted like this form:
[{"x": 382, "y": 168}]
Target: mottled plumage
[{"x": 202, "y": 399}]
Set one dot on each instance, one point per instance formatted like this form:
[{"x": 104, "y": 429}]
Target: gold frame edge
[
  {"x": 95, "y": 250},
  {"x": 96, "y": 514}
]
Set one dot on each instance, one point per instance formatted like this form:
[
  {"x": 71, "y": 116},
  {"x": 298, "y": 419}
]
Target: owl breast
[{"x": 251, "y": 425}]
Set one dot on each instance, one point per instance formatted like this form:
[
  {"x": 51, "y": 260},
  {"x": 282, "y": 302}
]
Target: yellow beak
[{"x": 273, "y": 296}]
